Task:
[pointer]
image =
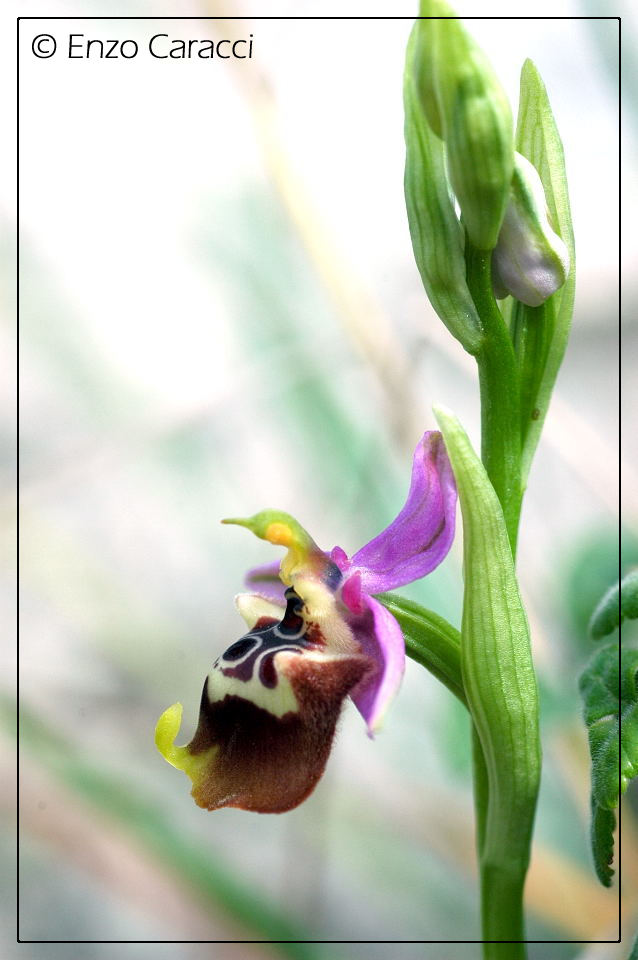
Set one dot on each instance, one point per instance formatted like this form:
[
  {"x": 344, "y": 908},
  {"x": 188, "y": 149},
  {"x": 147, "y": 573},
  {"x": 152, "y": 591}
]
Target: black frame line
[{"x": 159, "y": 18}]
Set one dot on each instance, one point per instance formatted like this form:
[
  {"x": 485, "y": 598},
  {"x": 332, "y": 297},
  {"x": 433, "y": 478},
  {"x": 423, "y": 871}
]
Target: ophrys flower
[{"x": 271, "y": 702}]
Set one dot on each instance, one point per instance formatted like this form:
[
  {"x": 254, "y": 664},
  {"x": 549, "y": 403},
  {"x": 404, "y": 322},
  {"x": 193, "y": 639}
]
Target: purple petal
[
  {"x": 351, "y": 593},
  {"x": 381, "y": 639},
  {"x": 340, "y": 557},
  {"x": 265, "y": 581},
  {"x": 420, "y": 537}
]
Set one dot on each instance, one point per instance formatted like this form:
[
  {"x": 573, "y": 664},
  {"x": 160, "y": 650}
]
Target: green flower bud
[
  {"x": 425, "y": 86},
  {"x": 437, "y": 236},
  {"x": 476, "y": 123},
  {"x": 530, "y": 260}
]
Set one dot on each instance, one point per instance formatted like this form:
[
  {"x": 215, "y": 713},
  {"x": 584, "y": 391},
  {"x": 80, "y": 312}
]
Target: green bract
[
  {"x": 437, "y": 235},
  {"x": 540, "y": 334},
  {"x": 476, "y": 122},
  {"x": 500, "y": 686}
]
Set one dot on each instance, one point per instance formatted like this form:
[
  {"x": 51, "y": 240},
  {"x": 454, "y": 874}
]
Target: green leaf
[
  {"x": 429, "y": 640},
  {"x": 590, "y": 566},
  {"x": 609, "y": 689},
  {"x": 619, "y": 602},
  {"x": 537, "y": 138},
  {"x": 437, "y": 235},
  {"x": 605, "y": 715},
  {"x": 603, "y": 824},
  {"x": 500, "y": 685}
]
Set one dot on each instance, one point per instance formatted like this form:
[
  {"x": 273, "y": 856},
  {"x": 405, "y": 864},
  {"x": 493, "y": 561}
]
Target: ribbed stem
[
  {"x": 499, "y": 388},
  {"x": 501, "y": 883},
  {"x": 502, "y": 912}
]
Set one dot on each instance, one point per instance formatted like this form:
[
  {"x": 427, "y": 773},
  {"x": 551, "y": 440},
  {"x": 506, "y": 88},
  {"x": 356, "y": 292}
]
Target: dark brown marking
[{"x": 270, "y": 764}]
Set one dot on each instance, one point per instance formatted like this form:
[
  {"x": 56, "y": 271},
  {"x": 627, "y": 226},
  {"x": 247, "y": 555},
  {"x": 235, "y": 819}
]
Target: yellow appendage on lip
[{"x": 165, "y": 732}]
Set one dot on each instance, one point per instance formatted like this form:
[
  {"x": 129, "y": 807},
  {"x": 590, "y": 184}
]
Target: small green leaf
[
  {"x": 619, "y": 602},
  {"x": 605, "y": 715},
  {"x": 437, "y": 235},
  {"x": 609, "y": 688},
  {"x": 430, "y": 640},
  {"x": 603, "y": 824}
]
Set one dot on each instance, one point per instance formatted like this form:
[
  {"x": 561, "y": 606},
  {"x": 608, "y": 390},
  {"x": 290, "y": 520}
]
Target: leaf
[
  {"x": 605, "y": 675},
  {"x": 609, "y": 688},
  {"x": 603, "y": 824},
  {"x": 429, "y": 640},
  {"x": 537, "y": 138},
  {"x": 619, "y": 602}
]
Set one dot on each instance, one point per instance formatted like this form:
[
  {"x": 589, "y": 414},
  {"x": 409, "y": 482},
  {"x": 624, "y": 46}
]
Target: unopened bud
[
  {"x": 425, "y": 38},
  {"x": 530, "y": 260},
  {"x": 437, "y": 236},
  {"x": 477, "y": 127}
]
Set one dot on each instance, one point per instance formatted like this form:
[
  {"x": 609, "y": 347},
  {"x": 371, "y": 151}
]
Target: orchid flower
[{"x": 271, "y": 702}]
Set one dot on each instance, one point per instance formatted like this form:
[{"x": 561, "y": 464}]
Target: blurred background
[{"x": 220, "y": 312}]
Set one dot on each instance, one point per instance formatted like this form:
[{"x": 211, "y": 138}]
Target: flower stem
[
  {"x": 481, "y": 790},
  {"x": 499, "y": 388},
  {"x": 502, "y": 879},
  {"x": 502, "y": 912}
]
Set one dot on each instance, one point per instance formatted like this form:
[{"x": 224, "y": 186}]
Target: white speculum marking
[
  {"x": 251, "y": 667},
  {"x": 276, "y": 700}
]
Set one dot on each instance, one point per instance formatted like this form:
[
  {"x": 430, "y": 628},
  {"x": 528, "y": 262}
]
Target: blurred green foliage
[{"x": 149, "y": 824}]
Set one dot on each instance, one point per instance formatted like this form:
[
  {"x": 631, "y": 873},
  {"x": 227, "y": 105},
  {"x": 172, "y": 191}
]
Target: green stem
[
  {"x": 501, "y": 883},
  {"x": 481, "y": 791},
  {"x": 502, "y": 911},
  {"x": 499, "y": 388}
]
